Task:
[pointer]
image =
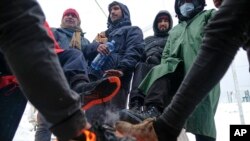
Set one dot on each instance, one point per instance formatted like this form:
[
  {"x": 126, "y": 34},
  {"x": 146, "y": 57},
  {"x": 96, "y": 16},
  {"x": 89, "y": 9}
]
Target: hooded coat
[
  {"x": 154, "y": 44},
  {"x": 129, "y": 45},
  {"x": 182, "y": 47}
]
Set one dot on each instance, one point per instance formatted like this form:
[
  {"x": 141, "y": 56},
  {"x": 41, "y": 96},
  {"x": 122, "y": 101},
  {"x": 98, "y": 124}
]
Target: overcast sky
[{"x": 142, "y": 12}]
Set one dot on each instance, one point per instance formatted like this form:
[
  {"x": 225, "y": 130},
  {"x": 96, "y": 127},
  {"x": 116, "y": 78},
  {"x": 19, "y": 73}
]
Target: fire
[{"x": 90, "y": 136}]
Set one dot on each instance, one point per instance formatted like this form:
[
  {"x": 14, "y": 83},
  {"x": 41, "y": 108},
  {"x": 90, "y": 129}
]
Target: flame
[{"x": 90, "y": 136}]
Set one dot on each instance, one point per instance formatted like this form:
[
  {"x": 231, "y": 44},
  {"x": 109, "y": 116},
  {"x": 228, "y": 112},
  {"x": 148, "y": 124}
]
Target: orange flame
[{"x": 90, "y": 136}]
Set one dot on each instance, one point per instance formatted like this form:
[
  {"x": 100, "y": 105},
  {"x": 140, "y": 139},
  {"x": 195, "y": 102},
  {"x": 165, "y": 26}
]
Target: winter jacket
[
  {"x": 154, "y": 44},
  {"x": 63, "y": 36},
  {"x": 129, "y": 45},
  {"x": 183, "y": 45}
]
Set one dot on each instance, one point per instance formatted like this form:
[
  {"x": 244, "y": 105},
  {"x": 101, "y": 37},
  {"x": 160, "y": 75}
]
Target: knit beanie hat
[{"x": 71, "y": 11}]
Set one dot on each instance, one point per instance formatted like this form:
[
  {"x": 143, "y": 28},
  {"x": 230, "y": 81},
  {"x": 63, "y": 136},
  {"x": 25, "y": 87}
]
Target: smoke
[{"x": 111, "y": 117}]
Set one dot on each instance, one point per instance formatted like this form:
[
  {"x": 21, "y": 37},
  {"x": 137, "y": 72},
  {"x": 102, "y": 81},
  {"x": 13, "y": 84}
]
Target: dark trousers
[
  {"x": 163, "y": 89},
  {"x": 12, "y": 106},
  {"x": 203, "y": 138},
  {"x": 73, "y": 63},
  {"x": 141, "y": 70},
  {"x": 42, "y": 133}
]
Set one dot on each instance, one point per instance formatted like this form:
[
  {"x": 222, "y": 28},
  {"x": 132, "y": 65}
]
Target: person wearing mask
[
  {"x": 128, "y": 43},
  {"x": 223, "y": 36},
  {"x": 154, "y": 46},
  {"x": 163, "y": 80},
  {"x": 34, "y": 65}
]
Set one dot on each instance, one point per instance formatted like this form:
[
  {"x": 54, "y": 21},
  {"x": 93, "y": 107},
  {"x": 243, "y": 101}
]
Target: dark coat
[
  {"x": 4, "y": 69},
  {"x": 154, "y": 44},
  {"x": 129, "y": 45}
]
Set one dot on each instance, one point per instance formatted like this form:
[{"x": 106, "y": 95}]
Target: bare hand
[{"x": 103, "y": 49}]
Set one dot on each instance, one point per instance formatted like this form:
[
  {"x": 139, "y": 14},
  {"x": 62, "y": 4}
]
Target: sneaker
[
  {"x": 142, "y": 132},
  {"x": 138, "y": 116},
  {"x": 100, "y": 91}
]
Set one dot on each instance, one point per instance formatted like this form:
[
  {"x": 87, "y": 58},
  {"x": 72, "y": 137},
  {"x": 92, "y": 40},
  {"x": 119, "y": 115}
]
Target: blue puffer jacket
[{"x": 129, "y": 45}]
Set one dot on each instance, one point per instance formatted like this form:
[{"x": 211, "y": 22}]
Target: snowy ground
[{"x": 226, "y": 114}]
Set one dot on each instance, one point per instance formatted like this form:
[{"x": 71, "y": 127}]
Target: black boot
[
  {"x": 136, "y": 105},
  {"x": 137, "y": 117},
  {"x": 96, "y": 92}
]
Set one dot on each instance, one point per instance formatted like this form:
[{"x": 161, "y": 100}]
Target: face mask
[{"x": 186, "y": 9}]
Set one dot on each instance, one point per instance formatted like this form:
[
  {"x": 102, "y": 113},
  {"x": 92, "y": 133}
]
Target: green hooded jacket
[{"x": 182, "y": 47}]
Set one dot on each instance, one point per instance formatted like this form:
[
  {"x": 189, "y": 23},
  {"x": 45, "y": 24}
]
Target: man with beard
[
  {"x": 154, "y": 46},
  {"x": 129, "y": 44}
]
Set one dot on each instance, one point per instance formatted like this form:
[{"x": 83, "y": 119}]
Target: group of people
[
  {"x": 168, "y": 90},
  {"x": 162, "y": 81}
]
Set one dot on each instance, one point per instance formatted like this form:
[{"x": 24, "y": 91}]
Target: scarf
[{"x": 76, "y": 37}]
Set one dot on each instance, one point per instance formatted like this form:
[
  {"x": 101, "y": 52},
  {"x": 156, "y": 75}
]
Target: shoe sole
[{"x": 110, "y": 80}]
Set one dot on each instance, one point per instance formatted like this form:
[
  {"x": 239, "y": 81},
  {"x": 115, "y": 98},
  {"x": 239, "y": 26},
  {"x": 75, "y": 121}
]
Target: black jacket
[{"x": 154, "y": 44}]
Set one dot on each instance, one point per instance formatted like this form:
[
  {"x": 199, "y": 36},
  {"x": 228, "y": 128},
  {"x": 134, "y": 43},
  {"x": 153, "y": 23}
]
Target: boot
[
  {"x": 142, "y": 132},
  {"x": 137, "y": 116},
  {"x": 97, "y": 92},
  {"x": 136, "y": 105}
]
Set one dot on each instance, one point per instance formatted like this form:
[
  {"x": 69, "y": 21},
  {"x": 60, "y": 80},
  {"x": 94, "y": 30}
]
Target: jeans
[
  {"x": 42, "y": 133},
  {"x": 12, "y": 106},
  {"x": 73, "y": 62}
]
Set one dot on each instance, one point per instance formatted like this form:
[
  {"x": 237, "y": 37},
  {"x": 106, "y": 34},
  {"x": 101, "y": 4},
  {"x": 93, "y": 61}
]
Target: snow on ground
[{"x": 227, "y": 114}]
